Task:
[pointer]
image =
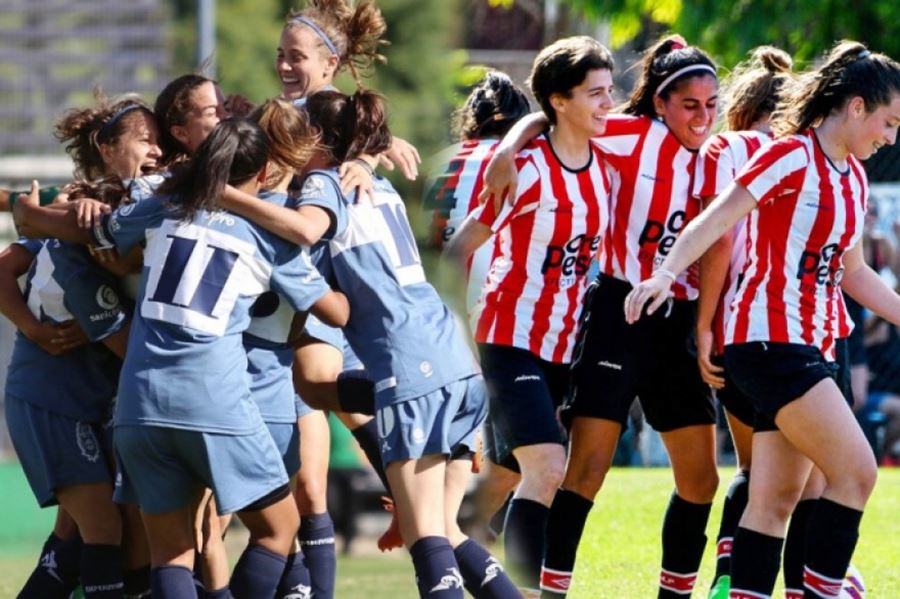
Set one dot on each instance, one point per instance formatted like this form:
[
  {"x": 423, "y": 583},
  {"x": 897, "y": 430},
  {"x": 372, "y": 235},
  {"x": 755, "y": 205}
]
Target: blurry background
[{"x": 54, "y": 52}]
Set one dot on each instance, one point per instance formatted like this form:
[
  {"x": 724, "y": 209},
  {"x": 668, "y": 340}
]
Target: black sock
[
  {"x": 57, "y": 571},
  {"x": 257, "y": 573},
  {"x": 172, "y": 581},
  {"x": 795, "y": 547},
  {"x": 482, "y": 574},
  {"x": 755, "y": 558},
  {"x": 830, "y": 540},
  {"x": 683, "y": 541},
  {"x": 437, "y": 573},
  {"x": 356, "y": 393},
  {"x": 565, "y": 523},
  {"x": 223, "y": 593},
  {"x": 295, "y": 580},
  {"x": 317, "y": 541},
  {"x": 137, "y": 583},
  {"x": 367, "y": 437},
  {"x": 101, "y": 571},
  {"x": 735, "y": 502},
  {"x": 526, "y": 522}
]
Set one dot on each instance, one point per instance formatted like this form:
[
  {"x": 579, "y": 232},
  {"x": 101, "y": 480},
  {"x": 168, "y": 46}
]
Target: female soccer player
[
  {"x": 60, "y": 432},
  {"x": 531, "y": 300},
  {"x": 203, "y": 269},
  {"x": 427, "y": 410},
  {"x": 751, "y": 93},
  {"x": 806, "y": 196},
  {"x": 652, "y": 153},
  {"x": 492, "y": 107}
]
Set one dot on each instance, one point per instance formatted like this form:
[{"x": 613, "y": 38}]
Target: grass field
[{"x": 618, "y": 558}]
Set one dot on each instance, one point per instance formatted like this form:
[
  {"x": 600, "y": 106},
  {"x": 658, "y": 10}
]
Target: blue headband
[
  {"x": 106, "y": 129},
  {"x": 328, "y": 43}
]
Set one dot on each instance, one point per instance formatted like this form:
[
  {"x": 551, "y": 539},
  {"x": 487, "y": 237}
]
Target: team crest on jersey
[
  {"x": 313, "y": 187},
  {"x": 107, "y": 298},
  {"x": 87, "y": 441},
  {"x": 126, "y": 209}
]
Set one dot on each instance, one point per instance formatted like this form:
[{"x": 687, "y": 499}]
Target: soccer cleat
[
  {"x": 721, "y": 588},
  {"x": 391, "y": 539}
]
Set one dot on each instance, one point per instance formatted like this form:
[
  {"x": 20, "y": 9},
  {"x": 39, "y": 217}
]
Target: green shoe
[{"x": 721, "y": 588}]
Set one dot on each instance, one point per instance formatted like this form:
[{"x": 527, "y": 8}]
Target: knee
[
  {"x": 104, "y": 528},
  {"x": 541, "y": 477},
  {"x": 777, "y": 506},
  {"x": 701, "y": 488},
  {"x": 586, "y": 476}
]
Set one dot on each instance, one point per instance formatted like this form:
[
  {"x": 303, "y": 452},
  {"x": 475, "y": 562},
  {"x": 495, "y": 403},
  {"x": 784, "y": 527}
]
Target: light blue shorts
[
  {"x": 445, "y": 421},
  {"x": 287, "y": 440},
  {"x": 164, "y": 468},
  {"x": 57, "y": 451}
]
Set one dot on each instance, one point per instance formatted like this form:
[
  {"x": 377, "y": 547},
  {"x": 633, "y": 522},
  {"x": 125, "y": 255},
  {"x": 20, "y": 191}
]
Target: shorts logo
[
  {"x": 453, "y": 580},
  {"x": 606, "y": 364},
  {"x": 107, "y": 298},
  {"x": 418, "y": 435},
  {"x": 526, "y": 377},
  {"x": 87, "y": 441},
  {"x": 386, "y": 421},
  {"x": 426, "y": 368}
]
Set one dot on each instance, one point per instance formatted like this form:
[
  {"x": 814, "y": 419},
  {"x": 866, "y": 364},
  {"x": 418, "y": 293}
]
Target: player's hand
[
  {"x": 655, "y": 290},
  {"x": 23, "y": 204},
  {"x": 355, "y": 175},
  {"x": 500, "y": 180},
  {"x": 57, "y": 339},
  {"x": 404, "y": 155},
  {"x": 709, "y": 372},
  {"x": 89, "y": 211}
]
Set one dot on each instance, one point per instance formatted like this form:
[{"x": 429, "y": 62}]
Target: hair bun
[{"x": 772, "y": 59}]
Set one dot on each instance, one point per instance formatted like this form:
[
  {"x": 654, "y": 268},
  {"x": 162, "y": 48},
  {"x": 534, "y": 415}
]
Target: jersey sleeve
[
  {"x": 622, "y": 135},
  {"x": 95, "y": 303},
  {"x": 715, "y": 168},
  {"x": 298, "y": 281},
  {"x": 776, "y": 169},
  {"x": 321, "y": 190},
  {"x": 528, "y": 197},
  {"x": 32, "y": 246},
  {"x": 127, "y": 226}
]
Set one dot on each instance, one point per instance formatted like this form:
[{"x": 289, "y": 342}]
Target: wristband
[{"x": 362, "y": 162}]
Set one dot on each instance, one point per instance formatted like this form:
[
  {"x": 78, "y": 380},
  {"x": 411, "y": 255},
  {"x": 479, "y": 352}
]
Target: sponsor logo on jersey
[
  {"x": 570, "y": 260},
  {"x": 87, "y": 441},
  {"x": 220, "y": 217},
  {"x": 126, "y": 209},
  {"x": 825, "y": 266},
  {"x": 661, "y": 235}
]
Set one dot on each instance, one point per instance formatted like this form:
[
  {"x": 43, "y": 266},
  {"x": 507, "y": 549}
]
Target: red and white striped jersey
[
  {"x": 720, "y": 159},
  {"x": 651, "y": 175},
  {"x": 453, "y": 194},
  {"x": 543, "y": 248},
  {"x": 809, "y": 213}
]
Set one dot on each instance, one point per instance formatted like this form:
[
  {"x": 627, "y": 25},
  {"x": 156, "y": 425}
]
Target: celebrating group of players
[{"x": 232, "y": 276}]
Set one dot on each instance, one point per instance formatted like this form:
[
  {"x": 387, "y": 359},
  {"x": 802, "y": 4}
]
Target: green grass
[{"x": 619, "y": 552}]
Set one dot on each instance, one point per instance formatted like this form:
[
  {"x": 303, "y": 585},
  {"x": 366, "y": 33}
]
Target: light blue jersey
[
  {"x": 399, "y": 327},
  {"x": 65, "y": 283},
  {"x": 186, "y": 366},
  {"x": 269, "y": 356}
]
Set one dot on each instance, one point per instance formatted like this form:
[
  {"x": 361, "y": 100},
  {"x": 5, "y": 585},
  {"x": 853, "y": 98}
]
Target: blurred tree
[{"x": 805, "y": 28}]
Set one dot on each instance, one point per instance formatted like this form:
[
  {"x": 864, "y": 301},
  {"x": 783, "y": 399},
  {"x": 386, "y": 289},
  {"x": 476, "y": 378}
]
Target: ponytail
[
  {"x": 754, "y": 87},
  {"x": 850, "y": 70}
]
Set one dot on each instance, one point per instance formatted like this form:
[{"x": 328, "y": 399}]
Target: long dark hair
[
  {"x": 349, "y": 126},
  {"x": 849, "y": 70},
  {"x": 235, "y": 152},
  {"x": 492, "y": 108},
  {"x": 171, "y": 108},
  {"x": 754, "y": 87}
]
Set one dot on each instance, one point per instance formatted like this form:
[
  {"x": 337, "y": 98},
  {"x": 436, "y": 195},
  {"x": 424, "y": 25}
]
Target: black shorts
[
  {"x": 773, "y": 375},
  {"x": 843, "y": 364},
  {"x": 653, "y": 360},
  {"x": 524, "y": 392},
  {"x": 856, "y": 347},
  {"x": 736, "y": 403}
]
